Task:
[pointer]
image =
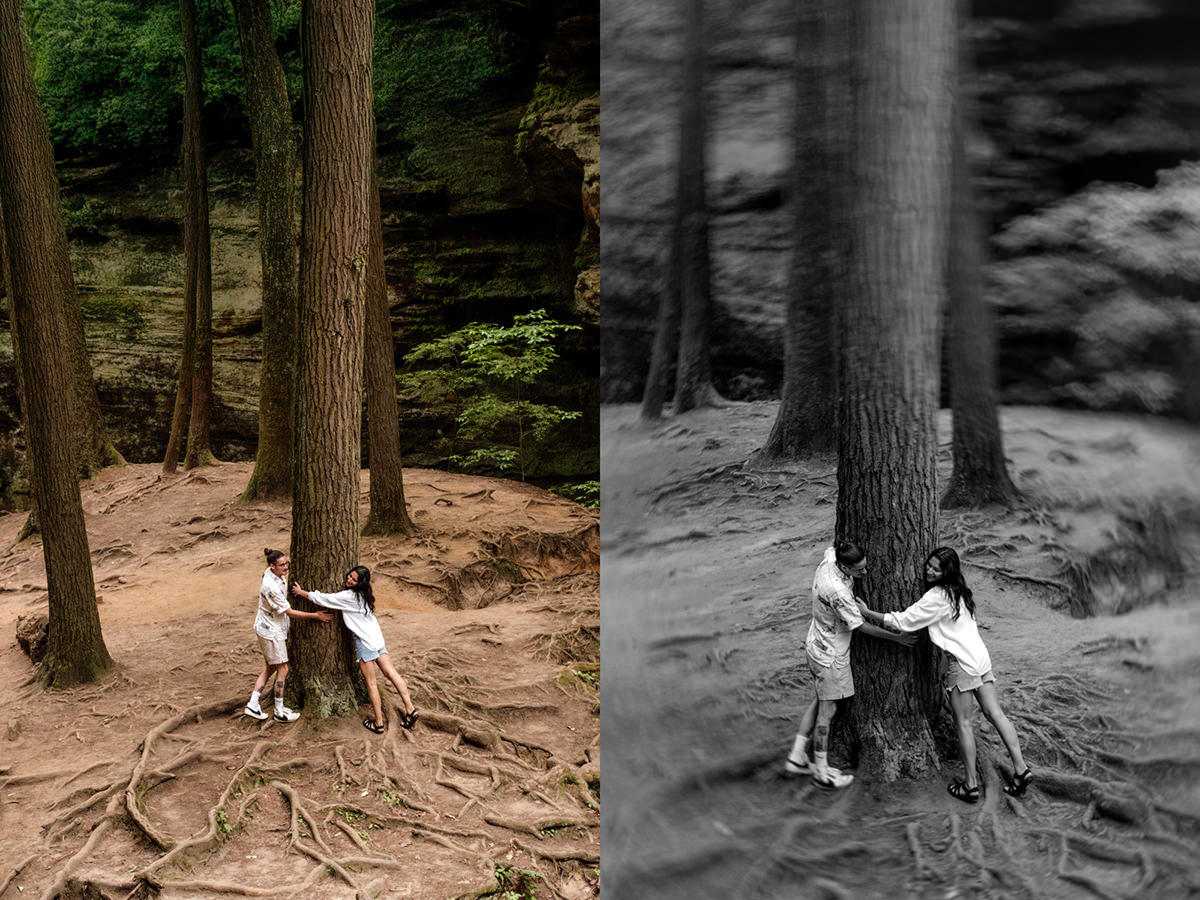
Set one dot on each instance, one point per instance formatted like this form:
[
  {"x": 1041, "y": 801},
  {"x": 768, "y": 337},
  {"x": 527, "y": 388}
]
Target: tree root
[
  {"x": 98, "y": 833},
  {"x": 16, "y": 870},
  {"x": 1118, "y": 802},
  {"x": 132, "y": 806},
  {"x": 582, "y": 854}
]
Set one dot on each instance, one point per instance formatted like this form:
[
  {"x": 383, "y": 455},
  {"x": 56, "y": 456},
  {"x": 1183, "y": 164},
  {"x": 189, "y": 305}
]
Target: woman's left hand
[
  {"x": 862, "y": 607},
  {"x": 297, "y": 590}
]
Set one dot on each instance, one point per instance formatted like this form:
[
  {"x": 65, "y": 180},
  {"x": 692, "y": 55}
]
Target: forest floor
[
  {"x": 153, "y": 783},
  {"x": 708, "y": 565}
]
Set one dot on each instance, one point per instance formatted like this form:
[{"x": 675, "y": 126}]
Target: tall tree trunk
[
  {"x": 693, "y": 376},
  {"x": 980, "y": 475},
  {"x": 41, "y": 278},
  {"x": 893, "y": 212},
  {"x": 30, "y": 527},
  {"x": 196, "y": 242},
  {"x": 805, "y": 421},
  {"x": 666, "y": 334},
  {"x": 275, "y": 169},
  {"x": 388, "y": 513},
  {"x": 183, "y": 385},
  {"x": 339, "y": 146}
]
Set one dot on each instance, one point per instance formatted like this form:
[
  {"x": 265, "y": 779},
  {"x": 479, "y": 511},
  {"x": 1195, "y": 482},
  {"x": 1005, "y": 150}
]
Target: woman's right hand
[{"x": 298, "y": 591}]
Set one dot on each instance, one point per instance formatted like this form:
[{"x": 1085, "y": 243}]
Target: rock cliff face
[
  {"x": 1069, "y": 92},
  {"x": 490, "y": 208}
]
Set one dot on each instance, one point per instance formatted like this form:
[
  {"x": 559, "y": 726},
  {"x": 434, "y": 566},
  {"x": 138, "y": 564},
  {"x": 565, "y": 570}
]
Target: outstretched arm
[{"x": 901, "y": 638}]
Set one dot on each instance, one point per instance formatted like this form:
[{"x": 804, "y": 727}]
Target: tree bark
[
  {"x": 693, "y": 376},
  {"x": 196, "y": 242},
  {"x": 893, "y": 211},
  {"x": 41, "y": 278},
  {"x": 805, "y": 420},
  {"x": 666, "y": 336},
  {"x": 339, "y": 144},
  {"x": 980, "y": 475},
  {"x": 388, "y": 515},
  {"x": 275, "y": 163}
]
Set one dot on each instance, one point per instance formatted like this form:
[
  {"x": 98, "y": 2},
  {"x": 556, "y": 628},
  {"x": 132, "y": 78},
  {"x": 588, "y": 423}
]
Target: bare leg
[
  {"x": 990, "y": 705},
  {"x": 960, "y": 703},
  {"x": 826, "y": 710},
  {"x": 368, "y": 674},
  {"x": 281, "y": 672},
  {"x": 389, "y": 671},
  {"x": 262, "y": 679},
  {"x": 809, "y": 720}
]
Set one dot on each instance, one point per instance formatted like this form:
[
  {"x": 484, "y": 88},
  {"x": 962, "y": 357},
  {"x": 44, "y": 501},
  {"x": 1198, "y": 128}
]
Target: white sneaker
[
  {"x": 254, "y": 711},
  {"x": 794, "y": 768},
  {"x": 283, "y": 714},
  {"x": 830, "y": 778}
]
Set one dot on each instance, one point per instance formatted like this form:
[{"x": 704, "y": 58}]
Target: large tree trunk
[
  {"x": 893, "y": 212},
  {"x": 805, "y": 421},
  {"x": 41, "y": 280},
  {"x": 666, "y": 335},
  {"x": 693, "y": 376},
  {"x": 31, "y": 526},
  {"x": 980, "y": 475},
  {"x": 275, "y": 170},
  {"x": 196, "y": 242},
  {"x": 388, "y": 513},
  {"x": 339, "y": 145}
]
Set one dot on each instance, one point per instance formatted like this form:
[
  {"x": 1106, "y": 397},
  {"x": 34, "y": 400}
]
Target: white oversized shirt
[
  {"x": 958, "y": 637},
  {"x": 835, "y": 615},
  {"x": 272, "y": 621},
  {"x": 358, "y": 618}
]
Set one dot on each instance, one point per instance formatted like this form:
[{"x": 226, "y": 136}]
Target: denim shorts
[{"x": 362, "y": 654}]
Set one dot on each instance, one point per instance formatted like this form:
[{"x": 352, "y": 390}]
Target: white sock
[
  {"x": 253, "y": 698},
  {"x": 821, "y": 760},
  {"x": 278, "y": 703},
  {"x": 799, "y": 752}
]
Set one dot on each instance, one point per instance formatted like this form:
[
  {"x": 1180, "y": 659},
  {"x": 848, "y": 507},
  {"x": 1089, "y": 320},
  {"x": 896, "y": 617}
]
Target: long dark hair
[
  {"x": 363, "y": 588},
  {"x": 952, "y": 579},
  {"x": 272, "y": 555}
]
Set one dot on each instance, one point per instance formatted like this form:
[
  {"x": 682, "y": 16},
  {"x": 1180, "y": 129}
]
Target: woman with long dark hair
[
  {"x": 357, "y": 606},
  {"x": 947, "y": 609}
]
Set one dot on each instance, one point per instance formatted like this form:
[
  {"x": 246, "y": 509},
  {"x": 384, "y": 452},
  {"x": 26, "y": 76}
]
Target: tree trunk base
[
  {"x": 324, "y": 697},
  {"x": 56, "y": 672}
]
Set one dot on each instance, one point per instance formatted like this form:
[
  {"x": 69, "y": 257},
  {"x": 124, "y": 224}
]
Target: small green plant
[
  {"x": 491, "y": 369},
  {"x": 516, "y": 884},
  {"x": 223, "y": 822},
  {"x": 585, "y": 674},
  {"x": 585, "y": 493}
]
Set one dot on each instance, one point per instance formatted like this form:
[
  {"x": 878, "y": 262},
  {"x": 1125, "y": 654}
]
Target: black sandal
[
  {"x": 408, "y": 720},
  {"x": 1016, "y": 787},
  {"x": 370, "y": 724},
  {"x": 960, "y": 790}
]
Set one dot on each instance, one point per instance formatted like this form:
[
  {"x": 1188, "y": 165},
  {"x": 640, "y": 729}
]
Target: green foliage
[
  {"x": 120, "y": 310},
  {"x": 1093, "y": 295},
  {"x": 223, "y": 822},
  {"x": 584, "y": 675},
  {"x": 491, "y": 369},
  {"x": 516, "y": 884},
  {"x": 585, "y": 493}
]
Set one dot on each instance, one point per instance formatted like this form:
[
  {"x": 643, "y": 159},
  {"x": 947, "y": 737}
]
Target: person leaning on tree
[{"x": 835, "y": 618}]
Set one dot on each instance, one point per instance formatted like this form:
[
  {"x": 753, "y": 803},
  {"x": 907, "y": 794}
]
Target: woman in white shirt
[
  {"x": 940, "y": 609},
  {"x": 357, "y": 606}
]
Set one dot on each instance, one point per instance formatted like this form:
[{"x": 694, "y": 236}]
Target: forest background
[{"x": 488, "y": 147}]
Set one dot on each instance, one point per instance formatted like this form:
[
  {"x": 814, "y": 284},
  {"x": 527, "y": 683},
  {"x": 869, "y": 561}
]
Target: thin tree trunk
[
  {"x": 40, "y": 277},
  {"x": 275, "y": 164},
  {"x": 693, "y": 377},
  {"x": 196, "y": 242},
  {"x": 388, "y": 515},
  {"x": 339, "y": 145},
  {"x": 893, "y": 212},
  {"x": 805, "y": 421},
  {"x": 666, "y": 334},
  {"x": 980, "y": 474}
]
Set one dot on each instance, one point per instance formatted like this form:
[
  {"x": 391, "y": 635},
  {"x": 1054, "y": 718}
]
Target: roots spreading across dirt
[
  {"x": 152, "y": 783},
  {"x": 1104, "y": 705}
]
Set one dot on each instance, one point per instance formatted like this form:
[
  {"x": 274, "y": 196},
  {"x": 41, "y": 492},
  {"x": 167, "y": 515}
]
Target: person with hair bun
[
  {"x": 271, "y": 625},
  {"x": 835, "y": 618},
  {"x": 969, "y": 667},
  {"x": 357, "y": 606}
]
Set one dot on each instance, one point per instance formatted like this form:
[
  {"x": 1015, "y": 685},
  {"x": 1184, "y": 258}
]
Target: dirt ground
[
  {"x": 153, "y": 783},
  {"x": 705, "y": 599}
]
